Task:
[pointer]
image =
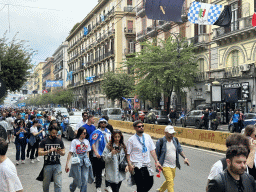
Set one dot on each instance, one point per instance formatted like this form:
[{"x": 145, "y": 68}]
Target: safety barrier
[{"x": 214, "y": 140}]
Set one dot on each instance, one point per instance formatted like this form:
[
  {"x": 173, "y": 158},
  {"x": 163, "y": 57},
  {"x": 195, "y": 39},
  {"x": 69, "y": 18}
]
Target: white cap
[{"x": 169, "y": 129}]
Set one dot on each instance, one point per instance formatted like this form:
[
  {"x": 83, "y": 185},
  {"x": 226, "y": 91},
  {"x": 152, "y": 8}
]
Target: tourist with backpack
[{"x": 168, "y": 150}]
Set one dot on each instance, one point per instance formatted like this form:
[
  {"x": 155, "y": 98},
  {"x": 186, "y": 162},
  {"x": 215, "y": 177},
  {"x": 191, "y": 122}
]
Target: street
[{"x": 192, "y": 178}]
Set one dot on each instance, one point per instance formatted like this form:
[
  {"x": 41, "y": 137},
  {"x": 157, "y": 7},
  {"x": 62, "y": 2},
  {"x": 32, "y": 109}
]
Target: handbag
[
  {"x": 75, "y": 159},
  {"x": 123, "y": 165}
]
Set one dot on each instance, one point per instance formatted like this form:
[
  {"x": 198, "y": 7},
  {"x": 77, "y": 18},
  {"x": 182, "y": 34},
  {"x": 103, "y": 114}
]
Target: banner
[
  {"x": 90, "y": 79},
  {"x": 21, "y": 104},
  {"x": 54, "y": 83},
  {"x": 203, "y": 13},
  {"x": 167, "y": 10},
  {"x": 85, "y": 31},
  {"x": 128, "y": 101}
]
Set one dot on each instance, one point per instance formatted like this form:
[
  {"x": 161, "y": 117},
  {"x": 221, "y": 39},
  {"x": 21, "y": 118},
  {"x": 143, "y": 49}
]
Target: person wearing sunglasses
[
  {"x": 98, "y": 140},
  {"x": 83, "y": 121},
  {"x": 139, "y": 148},
  {"x": 81, "y": 172}
]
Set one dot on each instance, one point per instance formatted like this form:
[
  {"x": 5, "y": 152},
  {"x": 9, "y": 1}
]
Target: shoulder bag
[{"x": 75, "y": 159}]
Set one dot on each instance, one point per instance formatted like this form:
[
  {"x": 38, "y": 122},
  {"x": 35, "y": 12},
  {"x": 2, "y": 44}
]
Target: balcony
[
  {"x": 77, "y": 83},
  {"x": 129, "y": 51},
  {"x": 232, "y": 72},
  {"x": 141, "y": 36},
  {"x": 151, "y": 31},
  {"x": 141, "y": 11},
  {"x": 238, "y": 28},
  {"x": 202, "y": 76},
  {"x": 130, "y": 32},
  {"x": 201, "y": 40},
  {"x": 130, "y": 9},
  {"x": 165, "y": 25}
]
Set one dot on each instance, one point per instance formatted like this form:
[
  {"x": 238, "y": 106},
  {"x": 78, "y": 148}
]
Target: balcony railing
[
  {"x": 202, "y": 76},
  {"x": 233, "y": 72},
  {"x": 129, "y": 9},
  {"x": 128, "y": 51},
  {"x": 129, "y": 30},
  {"x": 141, "y": 11},
  {"x": 199, "y": 40},
  {"x": 241, "y": 25},
  {"x": 151, "y": 31},
  {"x": 141, "y": 35}
]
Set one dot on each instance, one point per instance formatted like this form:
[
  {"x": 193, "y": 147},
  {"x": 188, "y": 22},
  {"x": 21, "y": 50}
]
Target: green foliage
[
  {"x": 15, "y": 60},
  {"x": 58, "y": 96},
  {"x": 75, "y": 26},
  {"x": 158, "y": 69},
  {"x": 117, "y": 85}
]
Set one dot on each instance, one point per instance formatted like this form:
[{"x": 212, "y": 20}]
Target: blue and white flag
[
  {"x": 167, "y": 10},
  {"x": 128, "y": 101},
  {"x": 203, "y": 13},
  {"x": 90, "y": 79},
  {"x": 85, "y": 31},
  {"x": 54, "y": 83}
]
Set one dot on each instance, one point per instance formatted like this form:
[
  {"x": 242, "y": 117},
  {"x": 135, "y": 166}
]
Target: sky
[{"x": 46, "y": 26}]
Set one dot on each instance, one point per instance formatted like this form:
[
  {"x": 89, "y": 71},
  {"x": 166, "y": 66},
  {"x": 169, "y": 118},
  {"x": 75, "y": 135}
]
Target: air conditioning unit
[
  {"x": 245, "y": 67},
  {"x": 207, "y": 88}
]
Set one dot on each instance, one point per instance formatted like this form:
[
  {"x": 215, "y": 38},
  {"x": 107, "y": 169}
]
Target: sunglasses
[
  {"x": 84, "y": 133},
  {"x": 140, "y": 126},
  {"x": 103, "y": 122}
]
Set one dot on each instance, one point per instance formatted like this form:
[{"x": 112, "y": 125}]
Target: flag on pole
[
  {"x": 167, "y": 10},
  {"x": 225, "y": 17},
  {"x": 207, "y": 14}
]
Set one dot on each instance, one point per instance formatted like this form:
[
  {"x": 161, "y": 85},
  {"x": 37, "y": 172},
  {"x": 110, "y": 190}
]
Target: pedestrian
[
  {"x": 89, "y": 125},
  {"x": 34, "y": 141},
  {"x": 221, "y": 165},
  {"x": 114, "y": 156},
  {"x": 234, "y": 178},
  {"x": 82, "y": 171},
  {"x": 235, "y": 119},
  {"x": 20, "y": 141},
  {"x": 9, "y": 180},
  {"x": 54, "y": 122},
  {"x": 98, "y": 140},
  {"x": 52, "y": 148},
  {"x": 29, "y": 125},
  {"x": 206, "y": 118},
  {"x": 83, "y": 121},
  {"x": 10, "y": 130},
  {"x": 241, "y": 120},
  {"x": 4, "y": 123},
  {"x": 139, "y": 148},
  {"x": 172, "y": 116},
  {"x": 168, "y": 150},
  {"x": 109, "y": 127}
]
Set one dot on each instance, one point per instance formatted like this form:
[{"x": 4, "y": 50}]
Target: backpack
[{"x": 224, "y": 163}]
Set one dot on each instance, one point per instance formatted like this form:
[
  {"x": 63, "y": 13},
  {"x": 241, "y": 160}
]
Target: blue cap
[{"x": 39, "y": 115}]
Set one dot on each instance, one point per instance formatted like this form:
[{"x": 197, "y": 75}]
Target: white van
[
  {"x": 63, "y": 111},
  {"x": 113, "y": 113}
]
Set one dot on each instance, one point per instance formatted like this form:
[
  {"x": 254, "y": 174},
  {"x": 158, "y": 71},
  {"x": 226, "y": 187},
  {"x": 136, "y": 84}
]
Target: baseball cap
[
  {"x": 39, "y": 115},
  {"x": 169, "y": 129}
]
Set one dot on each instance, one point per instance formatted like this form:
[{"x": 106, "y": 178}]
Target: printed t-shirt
[{"x": 80, "y": 147}]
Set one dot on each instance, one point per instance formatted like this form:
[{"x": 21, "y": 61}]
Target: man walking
[
  {"x": 139, "y": 148},
  {"x": 51, "y": 148},
  {"x": 9, "y": 180},
  {"x": 89, "y": 126},
  {"x": 234, "y": 177},
  {"x": 172, "y": 116},
  {"x": 10, "y": 131},
  {"x": 235, "y": 119},
  {"x": 98, "y": 140},
  {"x": 168, "y": 149},
  {"x": 84, "y": 120}
]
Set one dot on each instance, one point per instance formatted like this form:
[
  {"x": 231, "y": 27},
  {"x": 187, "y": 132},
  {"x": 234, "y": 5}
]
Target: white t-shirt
[
  {"x": 134, "y": 149},
  {"x": 80, "y": 147},
  {"x": 9, "y": 181},
  {"x": 215, "y": 170},
  {"x": 10, "y": 122},
  {"x": 80, "y": 124},
  {"x": 170, "y": 157},
  {"x": 33, "y": 129},
  {"x": 4, "y": 124}
]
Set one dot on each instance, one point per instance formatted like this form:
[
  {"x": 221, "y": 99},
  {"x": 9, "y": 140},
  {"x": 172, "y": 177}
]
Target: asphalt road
[{"x": 188, "y": 179}]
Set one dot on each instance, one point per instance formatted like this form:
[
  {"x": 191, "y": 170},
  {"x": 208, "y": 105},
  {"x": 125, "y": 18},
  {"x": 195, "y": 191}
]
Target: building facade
[
  {"x": 98, "y": 45},
  {"x": 48, "y": 69},
  {"x": 60, "y": 64},
  {"x": 38, "y": 78}
]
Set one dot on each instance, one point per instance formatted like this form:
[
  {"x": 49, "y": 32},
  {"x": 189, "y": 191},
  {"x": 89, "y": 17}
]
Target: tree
[
  {"x": 161, "y": 69},
  {"x": 15, "y": 60},
  {"x": 117, "y": 85}
]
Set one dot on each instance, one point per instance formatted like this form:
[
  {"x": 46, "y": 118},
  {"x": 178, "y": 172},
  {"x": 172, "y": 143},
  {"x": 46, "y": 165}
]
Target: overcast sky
[{"x": 45, "y": 28}]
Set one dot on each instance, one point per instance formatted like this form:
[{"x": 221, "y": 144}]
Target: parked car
[
  {"x": 113, "y": 113},
  {"x": 71, "y": 126},
  {"x": 157, "y": 117},
  {"x": 249, "y": 119},
  {"x": 142, "y": 115},
  {"x": 193, "y": 118},
  {"x": 150, "y": 117}
]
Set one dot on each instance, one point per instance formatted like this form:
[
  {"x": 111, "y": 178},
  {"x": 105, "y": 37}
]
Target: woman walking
[
  {"x": 20, "y": 141},
  {"x": 81, "y": 172},
  {"x": 114, "y": 156},
  {"x": 34, "y": 140}
]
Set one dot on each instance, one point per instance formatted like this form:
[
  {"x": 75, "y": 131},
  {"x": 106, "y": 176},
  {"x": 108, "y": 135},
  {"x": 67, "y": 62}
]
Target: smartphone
[
  {"x": 58, "y": 148},
  {"x": 116, "y": 148}
]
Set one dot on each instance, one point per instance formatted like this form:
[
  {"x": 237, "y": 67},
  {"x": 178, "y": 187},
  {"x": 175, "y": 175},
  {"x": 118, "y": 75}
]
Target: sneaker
[
  {"x": 22, "y": 162},
  {"x": 32, "y": 161},
  {"x": 98, "y": 189},
  {"x": 17, "y": 163},
  {"x": 108, "y": 189},
  {"x": 38, "y": 159}
]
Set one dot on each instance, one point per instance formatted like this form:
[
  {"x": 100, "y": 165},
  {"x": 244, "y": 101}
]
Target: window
[
  {"x": 234, "y": 13},
  {"x": 235, "y": 58},
  {"x": 129, "y": 2},
  {"x": 201, "y": 65},
  {"x": 130, "y": 26}
]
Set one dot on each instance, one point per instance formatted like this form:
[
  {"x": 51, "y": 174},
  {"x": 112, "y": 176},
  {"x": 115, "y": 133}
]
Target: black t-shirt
[
  {"x": 110, "y": 128},
  {"x": 52, "y": 158}
]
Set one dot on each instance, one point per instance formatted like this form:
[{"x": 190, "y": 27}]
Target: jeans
[
  {"x": 236, "y": 128},
  {"x": 115, "y": 186},
  {"x": 143, "y": 180},
  {"x": 98, "y": 166},
  {"x": 20, "y": 148},
  {"x": 34, "y": 149},
  {"x": 55, "y": 171},
  {"x": 84, "y": 177},
  {"x": 169, "y": 174}
]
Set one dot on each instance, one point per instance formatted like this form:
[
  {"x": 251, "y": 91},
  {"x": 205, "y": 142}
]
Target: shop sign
[
  {"x": 233, "y": 85},
  {"x": 245, "y": 91},
  {"x": 199, "y": 95}
]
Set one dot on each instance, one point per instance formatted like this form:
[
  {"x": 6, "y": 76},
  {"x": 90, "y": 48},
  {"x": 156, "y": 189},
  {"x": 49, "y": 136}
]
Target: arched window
[
  {"x": 200, "y": 64},
  {"x": 235, "y": 58}
]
